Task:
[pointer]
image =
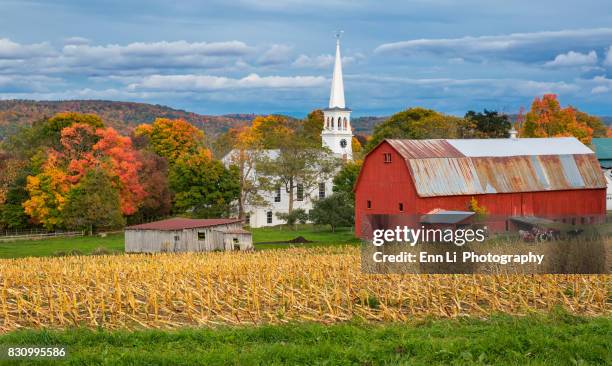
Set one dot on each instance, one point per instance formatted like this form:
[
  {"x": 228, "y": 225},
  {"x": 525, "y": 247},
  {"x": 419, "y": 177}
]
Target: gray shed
[{"x": 187, "y": 235}]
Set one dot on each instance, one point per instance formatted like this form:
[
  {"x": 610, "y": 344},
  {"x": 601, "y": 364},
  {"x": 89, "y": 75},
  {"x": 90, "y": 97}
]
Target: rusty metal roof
[
  {"x": 180, "y": 223},
  {"x": 419, "y": 149},
  {"x": 446, "y": 170}
]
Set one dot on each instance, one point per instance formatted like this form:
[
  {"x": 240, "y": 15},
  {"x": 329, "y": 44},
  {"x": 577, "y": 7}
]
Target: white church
[{"x": 337, "y": 136}]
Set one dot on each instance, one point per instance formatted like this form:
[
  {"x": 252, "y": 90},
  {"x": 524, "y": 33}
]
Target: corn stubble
[{"x": 321, "y": 284}]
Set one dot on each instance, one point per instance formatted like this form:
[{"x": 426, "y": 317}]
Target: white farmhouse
[{"x": 337, "y": 136}]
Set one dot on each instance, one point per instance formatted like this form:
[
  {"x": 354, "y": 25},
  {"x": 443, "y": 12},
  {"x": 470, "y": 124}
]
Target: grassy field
[
  {"x": 556, "y": 339},
  {"x": 49, "y": 247},
  {"x": 114, "y": 242}
]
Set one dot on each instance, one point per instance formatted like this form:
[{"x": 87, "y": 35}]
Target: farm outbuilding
[
  {"x": 555, "y": 178},
  {"x": 187, "y": 235}
]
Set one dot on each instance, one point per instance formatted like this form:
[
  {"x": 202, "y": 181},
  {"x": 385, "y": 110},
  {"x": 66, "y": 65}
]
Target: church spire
[{"x": 336, "y": 98}]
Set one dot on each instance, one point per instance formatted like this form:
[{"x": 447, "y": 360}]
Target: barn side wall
[{"x": 388, "y": 185}]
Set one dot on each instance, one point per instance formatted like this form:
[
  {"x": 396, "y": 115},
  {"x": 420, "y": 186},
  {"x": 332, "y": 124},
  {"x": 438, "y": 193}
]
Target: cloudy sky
[{"x": 269, "y": 56}]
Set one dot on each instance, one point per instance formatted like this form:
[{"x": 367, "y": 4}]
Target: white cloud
[
  {"x": 601, "y": 84},
  {"x": 28, "y": 83},
  {"x": 319, "y": 62},
  {"x": 163, "y": 48},
  {"x": 77, "y": 56},
  {"x": 574, "y": 59},
  {"x": 322, "y": 61},
  {"x": 76, "y": 41},
  {"x": 11, "y": 50},
  {"x": 477, "y": 86},
  {"x": 208, "y": 82},
  {"x": 517, "y": 46},
  {"x": 600, "y": 89},
  {"x": 277, "y": 54},
  {"x": 608, "y": 60}
]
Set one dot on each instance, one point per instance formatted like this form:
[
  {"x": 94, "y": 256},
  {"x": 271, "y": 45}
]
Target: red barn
[{"x": 554, "y": 178}]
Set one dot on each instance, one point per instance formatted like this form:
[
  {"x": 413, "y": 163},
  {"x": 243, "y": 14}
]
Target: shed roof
[
  {"x": 478, "y": 166},
  {"x": 180, "y": 223},
  {"x": 439, "y": 216},
  {"x": 234, "y": 231}
]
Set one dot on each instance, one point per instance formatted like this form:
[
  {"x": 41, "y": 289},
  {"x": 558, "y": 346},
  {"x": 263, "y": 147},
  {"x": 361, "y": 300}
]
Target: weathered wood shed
[{"x": 187, "y": 235}]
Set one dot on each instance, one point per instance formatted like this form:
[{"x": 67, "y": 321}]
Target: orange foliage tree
[
  {"x": 546, "y": 118},
  {"x": 84, "y": 147}
]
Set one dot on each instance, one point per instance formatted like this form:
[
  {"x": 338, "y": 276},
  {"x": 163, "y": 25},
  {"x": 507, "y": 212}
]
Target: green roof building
[{"x": 603, "y": 151}]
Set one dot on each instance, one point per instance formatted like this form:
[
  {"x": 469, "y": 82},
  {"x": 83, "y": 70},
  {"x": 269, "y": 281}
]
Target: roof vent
[{"x": 513, "y": 134}]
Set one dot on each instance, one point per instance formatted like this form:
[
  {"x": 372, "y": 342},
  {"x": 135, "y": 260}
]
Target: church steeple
[
  {"x": 336, "y": 98},
  {"x": 337, "y": 133}
]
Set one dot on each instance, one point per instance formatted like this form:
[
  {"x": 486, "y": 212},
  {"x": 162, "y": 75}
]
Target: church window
[
  {"x": 300, "y": 192},
  {"x": 321, "y": 190},
  {"x": 277, "y": 197},
  {"x": 345, "y": 124},
  {"x": 332, "y": 122},
  {"x": 269, "y": 217}
]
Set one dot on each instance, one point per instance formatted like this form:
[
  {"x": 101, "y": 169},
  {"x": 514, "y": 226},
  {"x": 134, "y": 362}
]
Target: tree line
[{"x": 72, "y": 171}]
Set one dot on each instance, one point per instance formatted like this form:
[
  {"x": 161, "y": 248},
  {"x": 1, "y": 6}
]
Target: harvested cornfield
[{"x": 321, "y": 284}]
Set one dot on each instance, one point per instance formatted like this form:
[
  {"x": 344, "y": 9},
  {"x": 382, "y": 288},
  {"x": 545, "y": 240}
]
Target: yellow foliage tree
[
  {"x": 172, "y": 138},
  {"x": 47, "y": 192}
]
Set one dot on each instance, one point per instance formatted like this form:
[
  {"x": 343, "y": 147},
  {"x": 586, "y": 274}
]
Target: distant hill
[
  {"x": 365, "y": 125},
  {"x": 120, "y": 115},
  {"x": 125, "y": 115}
]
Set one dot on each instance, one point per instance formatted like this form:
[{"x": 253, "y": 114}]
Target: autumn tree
[
  {"x": 546, "y": 118},
  {"x": 13, "y": 192},
  {"x": 93, "y": 203},
  {"x": 595, "y": 123},
  {"x": 172, "y": 138},
  {"x": 55, "y": 124},
  {"x": 47, "y": 193},
  {"x": 203, "y": 186},
  {"x": 311, "y": 128},
  {"x": 84, "y": 148},
  {"x": 153, "y": 174},
  {"x": 272, "y": 131},
  {"x": 420, "y": 123},
  {"x": 297, "y": 163},
  {"x": 245, "y": 155},
  {"x": 224, "y": 143},
  {"x": 489, "y": 124}
]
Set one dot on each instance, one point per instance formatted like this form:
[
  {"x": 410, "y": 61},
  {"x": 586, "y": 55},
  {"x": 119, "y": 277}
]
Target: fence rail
[{"x": 42, "y": 235}]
